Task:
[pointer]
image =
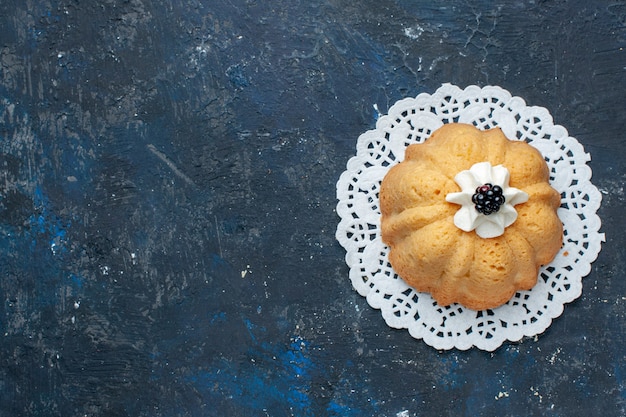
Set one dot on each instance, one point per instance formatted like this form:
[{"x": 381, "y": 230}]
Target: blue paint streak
[
  {"x": 452, "y": 378},
  {"x": 45, "y": 224},
  {"x": 218, "y": 318},
  {"x": 77, "y": 281},
  {"x": 335, "y": 409},
  {"x": 273, "y": 377}
]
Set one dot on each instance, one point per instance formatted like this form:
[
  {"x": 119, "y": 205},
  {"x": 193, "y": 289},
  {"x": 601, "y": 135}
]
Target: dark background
[{"x": 167, "y": 205}]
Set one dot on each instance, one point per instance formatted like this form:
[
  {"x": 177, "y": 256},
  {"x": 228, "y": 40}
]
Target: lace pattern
[{"x": 412, "y": 120}]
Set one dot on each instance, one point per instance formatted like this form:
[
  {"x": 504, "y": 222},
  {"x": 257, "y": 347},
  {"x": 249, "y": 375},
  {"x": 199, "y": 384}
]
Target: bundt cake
[{"x": 470, "y": 217}]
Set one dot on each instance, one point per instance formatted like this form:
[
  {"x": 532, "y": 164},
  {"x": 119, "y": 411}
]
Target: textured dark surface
[{"x": 167, "y": 189}]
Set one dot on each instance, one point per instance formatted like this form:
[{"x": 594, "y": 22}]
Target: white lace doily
[{"x": 412, "y": 120}]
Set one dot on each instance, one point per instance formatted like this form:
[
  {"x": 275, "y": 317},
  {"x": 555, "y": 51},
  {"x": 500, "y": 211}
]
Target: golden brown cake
[{"x": 470, "y": 216}]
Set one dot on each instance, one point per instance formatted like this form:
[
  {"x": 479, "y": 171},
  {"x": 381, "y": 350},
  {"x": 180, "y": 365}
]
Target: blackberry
[{"x": 488, "y": 199}]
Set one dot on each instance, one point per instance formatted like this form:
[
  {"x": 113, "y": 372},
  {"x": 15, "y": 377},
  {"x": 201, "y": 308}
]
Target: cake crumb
[
  {"x": 245, "y": 271},
  {"x": 502, "y": 394}
]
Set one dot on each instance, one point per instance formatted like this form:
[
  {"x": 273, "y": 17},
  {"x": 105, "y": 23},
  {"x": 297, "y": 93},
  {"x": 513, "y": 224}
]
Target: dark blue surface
[{"x": 167, "y": 200}]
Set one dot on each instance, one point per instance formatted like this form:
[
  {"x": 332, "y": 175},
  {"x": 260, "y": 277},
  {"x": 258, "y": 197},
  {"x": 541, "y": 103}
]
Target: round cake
[{"x": 470, "y": 217}]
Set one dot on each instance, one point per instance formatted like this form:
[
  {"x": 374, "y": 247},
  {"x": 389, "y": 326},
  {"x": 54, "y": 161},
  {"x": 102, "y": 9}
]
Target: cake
[{"x": 469, "y": 216}]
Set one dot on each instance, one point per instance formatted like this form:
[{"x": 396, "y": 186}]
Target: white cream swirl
[{"x": 467, "y": 218}]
